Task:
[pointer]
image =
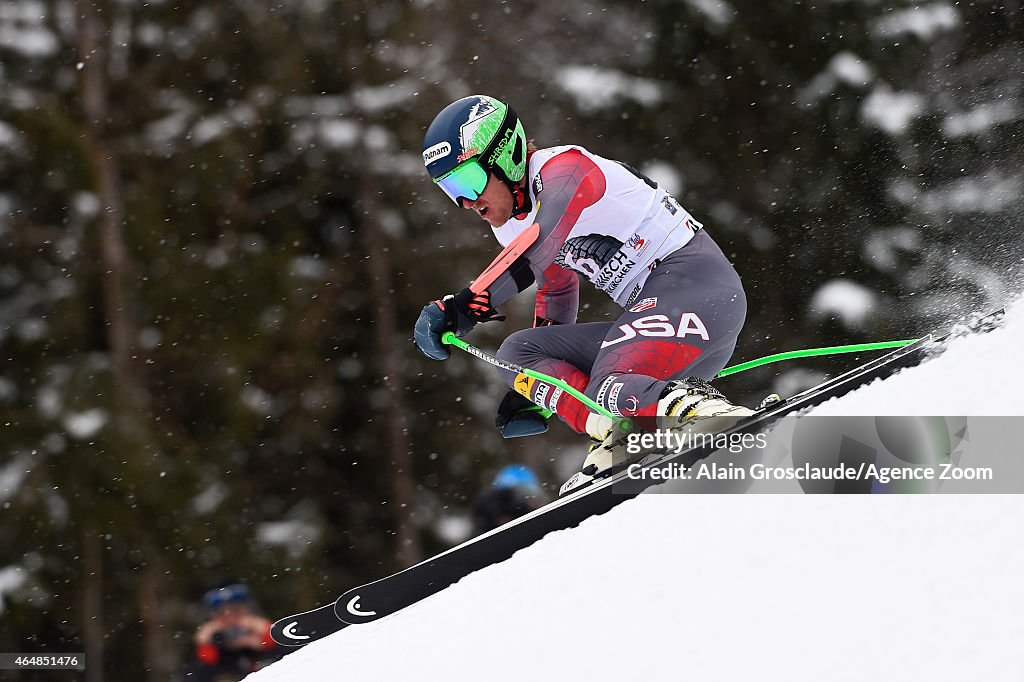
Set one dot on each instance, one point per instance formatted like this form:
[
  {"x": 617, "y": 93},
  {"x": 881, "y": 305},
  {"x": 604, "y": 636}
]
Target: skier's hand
[
  {"x": 477, "y": 307},
  {"x": 518, "y": 417},
  {"x": 457, "y": 313},
  {"x": 430, "y": 325},
  {"x": 435, "y": 319}
]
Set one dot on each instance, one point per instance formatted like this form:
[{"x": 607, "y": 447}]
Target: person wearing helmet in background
[
  {"x": 565, "y": 212},
  {"x": 234, "y": 641},
  {"x": 516, "y": 490}
]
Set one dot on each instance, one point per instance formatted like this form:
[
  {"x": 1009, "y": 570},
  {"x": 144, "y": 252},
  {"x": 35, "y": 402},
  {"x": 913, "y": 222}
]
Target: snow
[
  {"x": 718, "y": 13},
  {"x": 981, "y": 118},
  {"x": 8, "y": 390},
  {"x": 883, "y": 247},
  {"x": 844, "y": 299},
  {"x": 845, "y": 67},
  {"x": 320, "y": 106},
  {"x": 206, "y": 502},
  {"x": 376, "y": 99},
  {"x": 23, "y": 30},
  {"x": 166, "y": 132},
  {"x": 12, "y": 475},
  {"x": 666, "y": 175},
  {"x": 257, "y": 400},
  {"x": 295, "y": 535},
  {"x": 339, "y": 133},
  {"x": 595, "y": 88},
  {"x": 6, "y": 208},
  {"x": 85, "y": 425},
  {"x": 850, "y": 69},
  {"x": 454, "y": 529},
  {"x": 212, "y": 128},
  {"x": 32, "y": 329},
  {"x": 727, "y": 587},
  {"x": 48, "y": 401},
  {"x": 892, "y": 111},
  {"x": 958, "y": 382},
  {"x": 795, "y": 380},
  {"x": 150, "y": 338},
  {"x": 8, "y": 135},
  {"x": 307, "y": 267},
  {"x": 86, "y": 204},
  {"x": 12, "y": 578},
  {"x": 924, "y": 22},
  {"x": 991, "y": 191},
  {"x": 979, "y": 277}
]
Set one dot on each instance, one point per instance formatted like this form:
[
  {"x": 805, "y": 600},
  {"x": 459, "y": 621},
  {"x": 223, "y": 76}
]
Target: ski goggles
[{"x": 465, "y": 181}]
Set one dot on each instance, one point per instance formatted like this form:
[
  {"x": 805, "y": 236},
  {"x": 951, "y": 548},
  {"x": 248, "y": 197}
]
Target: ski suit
[{"x": 683, "y": 302}]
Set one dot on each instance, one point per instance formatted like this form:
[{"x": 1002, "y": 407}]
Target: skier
[
  {"x": 234, "y": 641},
  {"x": 562, "y": 212}
]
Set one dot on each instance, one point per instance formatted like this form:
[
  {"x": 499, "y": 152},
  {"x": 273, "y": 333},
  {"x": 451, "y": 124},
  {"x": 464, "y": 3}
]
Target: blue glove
[{"x": 435, "y": 319}]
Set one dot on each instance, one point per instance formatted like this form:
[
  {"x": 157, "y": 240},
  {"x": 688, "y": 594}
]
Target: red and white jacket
[{"x": 596, "y": 217}]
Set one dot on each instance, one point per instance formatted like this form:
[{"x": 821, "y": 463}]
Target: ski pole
[
  {"x": 812, "y": 352},
  {"x": 623, "y": 423},
  {"x": 626, "y": 424}
]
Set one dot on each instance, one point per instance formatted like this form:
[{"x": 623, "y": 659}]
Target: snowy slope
[
  {"x": 707, "y": 587},
  {"x": 979, "y": 374}
]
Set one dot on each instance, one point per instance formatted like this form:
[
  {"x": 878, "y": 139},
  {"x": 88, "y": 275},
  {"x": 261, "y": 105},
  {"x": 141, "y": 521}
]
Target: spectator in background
[
  {"x": 234, "y": 641},
  {"x": 515, "y": 491}
]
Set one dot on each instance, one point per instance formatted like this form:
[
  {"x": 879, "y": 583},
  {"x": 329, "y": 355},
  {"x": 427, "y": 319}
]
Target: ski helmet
[
  {"x": 228, "y": 592},
  {"x": 470, "y": 138},
  {"x": 516, "y": 476}
]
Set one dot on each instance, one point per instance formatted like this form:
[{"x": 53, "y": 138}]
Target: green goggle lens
[{"x": 466, "y": 181}]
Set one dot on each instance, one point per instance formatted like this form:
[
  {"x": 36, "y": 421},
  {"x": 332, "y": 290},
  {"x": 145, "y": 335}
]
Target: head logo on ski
[
  {"x": 352, "y": 609},
  {"x": 289, "y": 632}
]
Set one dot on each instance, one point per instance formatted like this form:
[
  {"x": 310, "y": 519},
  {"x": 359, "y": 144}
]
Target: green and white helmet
[{"x": 469, "y": 138}]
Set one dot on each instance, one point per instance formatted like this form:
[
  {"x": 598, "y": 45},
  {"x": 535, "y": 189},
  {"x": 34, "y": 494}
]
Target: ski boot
[
  {"x": 607, "y": 452},
  {"x": 693, "y": 404},
  {"x": 690, "y": 404}
]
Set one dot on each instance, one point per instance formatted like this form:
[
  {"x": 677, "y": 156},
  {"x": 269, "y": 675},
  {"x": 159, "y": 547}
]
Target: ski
[
  {"x": 303, "y": 628},
  {"x": 383, "y": 597}
]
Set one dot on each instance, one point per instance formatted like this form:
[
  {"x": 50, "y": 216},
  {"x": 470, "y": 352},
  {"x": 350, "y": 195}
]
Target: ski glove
[
  {"x": 519, "y": 417},
  {"x": 457, "y": 313},
  {"x": 477, "y": 307}
]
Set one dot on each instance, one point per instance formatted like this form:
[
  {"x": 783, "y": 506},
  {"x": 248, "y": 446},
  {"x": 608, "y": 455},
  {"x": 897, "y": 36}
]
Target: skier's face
[
  {"x": 231, "y": 613},
  {"x": 494, "y": 205}
]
